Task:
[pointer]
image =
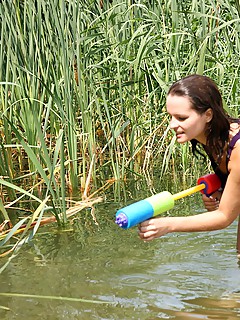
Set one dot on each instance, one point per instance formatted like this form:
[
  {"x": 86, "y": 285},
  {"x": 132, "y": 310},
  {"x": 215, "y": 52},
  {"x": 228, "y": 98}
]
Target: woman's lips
[{"x": 179, "y": 135}]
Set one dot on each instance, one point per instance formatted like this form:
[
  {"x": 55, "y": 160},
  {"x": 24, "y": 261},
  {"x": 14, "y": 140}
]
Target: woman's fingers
[
  {"x": 153, "y": 228},
  {"x": 210, "y": 203}
]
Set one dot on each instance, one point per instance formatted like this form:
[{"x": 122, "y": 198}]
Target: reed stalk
[{"x": 84, "y": 80}]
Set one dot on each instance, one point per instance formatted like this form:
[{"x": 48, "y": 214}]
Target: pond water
[{"x": 178, "y": 276}]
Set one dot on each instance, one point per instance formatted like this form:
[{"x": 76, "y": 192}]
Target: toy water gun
[{"x": 150, "y": 207}]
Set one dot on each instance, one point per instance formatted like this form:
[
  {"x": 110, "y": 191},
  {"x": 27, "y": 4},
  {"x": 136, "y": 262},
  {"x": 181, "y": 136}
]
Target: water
[{"x": 179, "y": 276}]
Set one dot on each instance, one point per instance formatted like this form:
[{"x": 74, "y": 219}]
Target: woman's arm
[
  {"x": 157, "y": 227},
  {"x": 227, "y": 212}
]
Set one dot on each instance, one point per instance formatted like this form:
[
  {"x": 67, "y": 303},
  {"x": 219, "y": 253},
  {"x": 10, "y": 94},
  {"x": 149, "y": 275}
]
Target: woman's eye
[{"x": 182, "y": 118}]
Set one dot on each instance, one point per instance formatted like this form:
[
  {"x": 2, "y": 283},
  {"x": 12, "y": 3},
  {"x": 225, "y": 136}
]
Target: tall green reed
[{"x": 85, "y": 83}]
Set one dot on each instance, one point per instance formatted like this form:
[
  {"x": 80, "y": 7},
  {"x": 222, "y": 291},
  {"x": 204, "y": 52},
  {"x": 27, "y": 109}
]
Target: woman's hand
[
  {"x": 153, "y": 228},
  {"x": 212, "y": 203},
  {"x": 157, "y": 227}
]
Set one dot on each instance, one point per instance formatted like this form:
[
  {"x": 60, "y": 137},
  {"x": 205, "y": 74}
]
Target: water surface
[{"x": 178, "y": 276}]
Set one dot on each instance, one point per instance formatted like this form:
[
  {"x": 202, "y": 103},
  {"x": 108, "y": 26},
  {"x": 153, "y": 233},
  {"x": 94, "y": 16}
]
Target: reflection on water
[{"x": 180, "y": 276}]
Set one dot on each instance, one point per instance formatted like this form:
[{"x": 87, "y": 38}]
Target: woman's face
[{"x": 185, "y": 121}]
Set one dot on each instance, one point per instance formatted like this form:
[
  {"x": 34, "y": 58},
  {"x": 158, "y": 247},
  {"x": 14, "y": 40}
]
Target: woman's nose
[{"x": 173, "y": 123}]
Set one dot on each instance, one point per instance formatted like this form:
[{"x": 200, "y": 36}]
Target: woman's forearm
[{"x": 208, "y": 221}]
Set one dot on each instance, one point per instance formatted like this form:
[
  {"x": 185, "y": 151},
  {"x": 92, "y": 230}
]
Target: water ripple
[{"x": 136, "y": 279}]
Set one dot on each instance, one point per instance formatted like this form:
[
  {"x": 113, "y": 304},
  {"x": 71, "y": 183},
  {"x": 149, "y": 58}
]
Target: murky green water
[{"x": 179, "y": 276}]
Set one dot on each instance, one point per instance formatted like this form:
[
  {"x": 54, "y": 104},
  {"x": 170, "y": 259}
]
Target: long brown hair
[{"x": 204, "y": 94}]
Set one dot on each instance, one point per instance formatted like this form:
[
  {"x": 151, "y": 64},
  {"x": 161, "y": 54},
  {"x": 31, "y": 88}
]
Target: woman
[{"x": 195, "y": 106}]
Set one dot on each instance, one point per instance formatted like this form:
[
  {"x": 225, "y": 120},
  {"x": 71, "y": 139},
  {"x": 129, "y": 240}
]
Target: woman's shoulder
[
  {"x": 234, "y": 132},
  {"x": 235, "y": 126},
  {"x": 234, "y": 145},
  {"x": 233, "y": 149}
]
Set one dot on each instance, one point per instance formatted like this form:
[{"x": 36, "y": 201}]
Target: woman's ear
[{"x": 209, "y": 114}]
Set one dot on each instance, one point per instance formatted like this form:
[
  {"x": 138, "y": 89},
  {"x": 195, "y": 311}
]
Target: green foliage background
[{"x": 83, "y": 86}]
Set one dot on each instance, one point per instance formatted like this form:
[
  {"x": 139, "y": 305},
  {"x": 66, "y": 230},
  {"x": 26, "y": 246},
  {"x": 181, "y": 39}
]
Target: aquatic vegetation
[{"x": 82, "y": 92}]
